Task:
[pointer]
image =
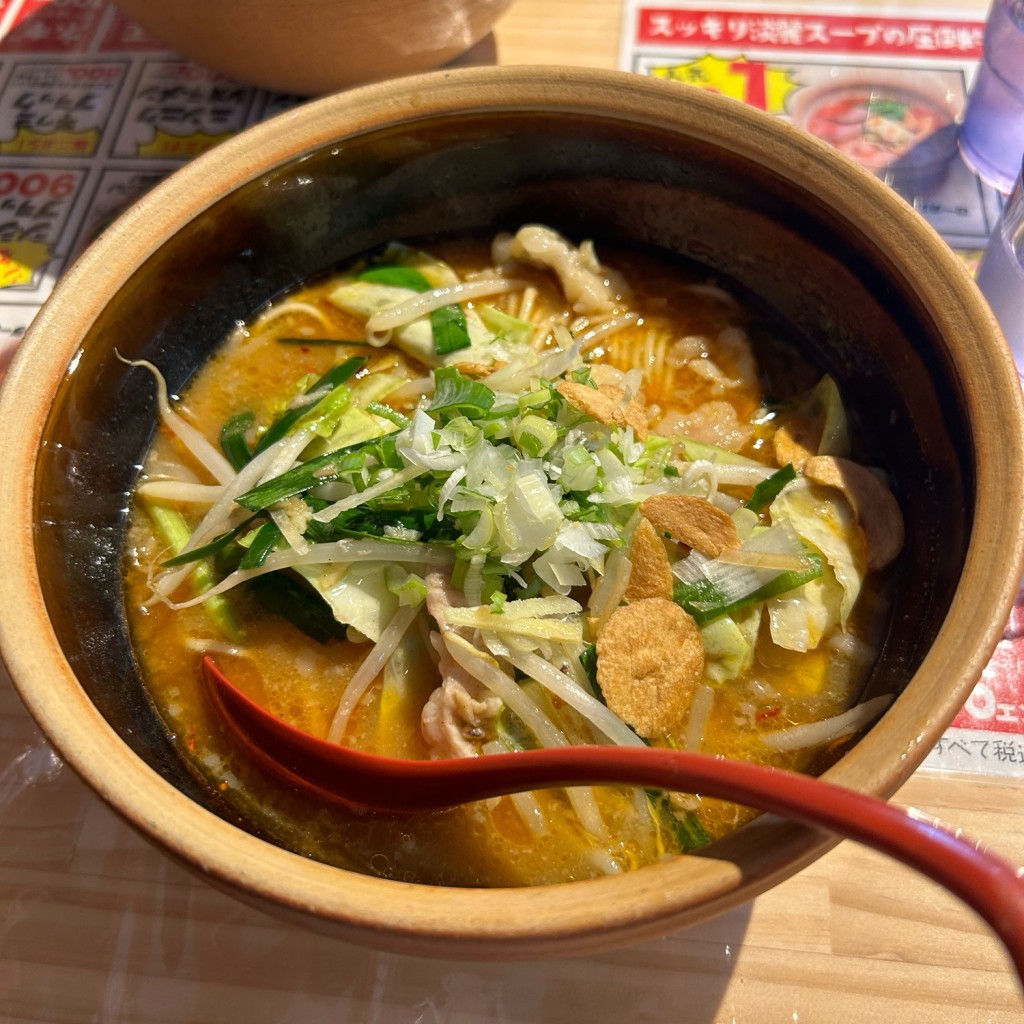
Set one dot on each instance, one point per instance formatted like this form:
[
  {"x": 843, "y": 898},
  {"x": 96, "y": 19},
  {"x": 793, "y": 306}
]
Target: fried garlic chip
[
  {"x": 650, "y": 660},
  {"x": 651, "y": 574},
  {"x": 874, "y": 506},
  {"x": 606, "y": 404},
  {"x": 692, "y": 521},
  {"x": 479, "y": 369}
]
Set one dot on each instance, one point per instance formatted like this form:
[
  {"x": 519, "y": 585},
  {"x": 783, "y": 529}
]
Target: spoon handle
[{"x": 990, "y": 885}]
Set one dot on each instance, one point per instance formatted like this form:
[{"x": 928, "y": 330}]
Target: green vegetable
[
  {"x": 262, "y": 544},
  {"x": 767, "y": 490},
  {"x": 534, "y": 436},
  {"x": 513, "y": 733},
  {"x": 299, "y": 604},
  {"x": 312, "y": 473},
  {"x": 286, "y": 423},
  {"x": 387, "y": 413},
  {"x": 449, "y": 328},
  {"x": 685, "y": 827},
  {"x": 705, "y": 602},
  {"x": 233, "y": 442},
  {"x": 204, "y": 551},
  {"x": 396, "y": 277},
  {"x": 170, "y": 526},
  {"x": 455, "y": 393}
]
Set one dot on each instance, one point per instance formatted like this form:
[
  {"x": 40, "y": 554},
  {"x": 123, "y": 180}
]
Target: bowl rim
[{"x": 532, "y": 921}]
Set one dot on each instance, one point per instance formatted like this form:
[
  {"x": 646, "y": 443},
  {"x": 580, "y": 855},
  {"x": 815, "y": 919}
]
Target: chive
[
  {"x": 396, "y": 277},
  {"x": 233, "y": 442},
  {"x": 299, "y": 604},
  {"x": 323, "y": 341},
  {"x": 170, "y": 526},
  {"x": 262, "y": 544},
  {"x": 767, "y": 490},
  {"x": 213, "y": 547},
  {"x": 449, "y": 328},
  {"x": 320, "y": 470},
  {"x": 335, "y": 376},
  {"x": 705, "y": 602}
]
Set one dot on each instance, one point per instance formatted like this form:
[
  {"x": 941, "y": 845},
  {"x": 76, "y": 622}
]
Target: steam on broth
[{"x": 506, "y": 495}]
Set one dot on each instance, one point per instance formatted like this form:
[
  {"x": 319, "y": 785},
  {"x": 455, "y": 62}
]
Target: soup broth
[{"x": 627, "y": 399}]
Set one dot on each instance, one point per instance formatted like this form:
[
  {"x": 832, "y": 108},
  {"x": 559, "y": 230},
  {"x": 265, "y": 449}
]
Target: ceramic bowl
[
  {"x": 310, "y": 47},
  {"x": 872, "y": 291}
]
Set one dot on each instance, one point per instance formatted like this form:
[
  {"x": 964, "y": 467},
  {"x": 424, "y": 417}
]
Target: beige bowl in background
[
  {"x": 857, "y": 275},
  {"x": 310, "y": 47}
]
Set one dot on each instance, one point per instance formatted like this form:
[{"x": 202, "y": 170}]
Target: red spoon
[{"x": 993, "y": 887}]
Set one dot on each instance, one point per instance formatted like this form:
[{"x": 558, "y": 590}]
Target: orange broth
[{"x": 486, "y": 844}]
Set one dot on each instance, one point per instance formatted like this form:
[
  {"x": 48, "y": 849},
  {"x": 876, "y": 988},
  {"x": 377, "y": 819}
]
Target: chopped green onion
[
  {"x": 449, "y": 328},
  {"x": 321, "y": 470},
  {"x": 206, "y": 550},
  {"x": 455, "y": 393},
  {"x": 385, "y": 412},
  {"x": 534, "y": 436}
]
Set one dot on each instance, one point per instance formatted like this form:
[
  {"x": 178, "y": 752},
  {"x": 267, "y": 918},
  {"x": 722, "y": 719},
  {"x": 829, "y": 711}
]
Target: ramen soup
[
  {"x": 874, "y": 126},
  {"x": 493, "y": 497}
]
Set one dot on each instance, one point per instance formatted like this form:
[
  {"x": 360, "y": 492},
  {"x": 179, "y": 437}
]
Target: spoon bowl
[{"x": 993, "y": 887}]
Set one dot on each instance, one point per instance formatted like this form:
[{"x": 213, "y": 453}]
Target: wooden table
[{"x": 97, "y": 926}]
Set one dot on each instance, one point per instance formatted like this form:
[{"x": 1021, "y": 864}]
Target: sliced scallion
[
  {"x": 456, "y": 393},
  {"x": 449, "y": 328}
]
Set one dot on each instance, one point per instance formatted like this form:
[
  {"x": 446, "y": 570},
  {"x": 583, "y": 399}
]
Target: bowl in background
[
  {"x": 873, "y": 293},
  {"x": 316, "y": 46}
]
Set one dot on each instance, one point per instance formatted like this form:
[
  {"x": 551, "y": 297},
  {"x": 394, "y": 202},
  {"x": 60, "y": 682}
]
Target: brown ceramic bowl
[
  {"x": 873, "y": 292},
  {"x": 310, "y": 47}
]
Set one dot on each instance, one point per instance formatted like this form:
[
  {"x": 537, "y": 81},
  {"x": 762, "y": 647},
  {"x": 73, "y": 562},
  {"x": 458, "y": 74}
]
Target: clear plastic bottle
[
  {"x": 992, "y": 135},
  {"x": 1001, "y": 272}
]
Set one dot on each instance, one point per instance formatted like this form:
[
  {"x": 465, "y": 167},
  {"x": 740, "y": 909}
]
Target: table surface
[{"x": 98, "y": 926}]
